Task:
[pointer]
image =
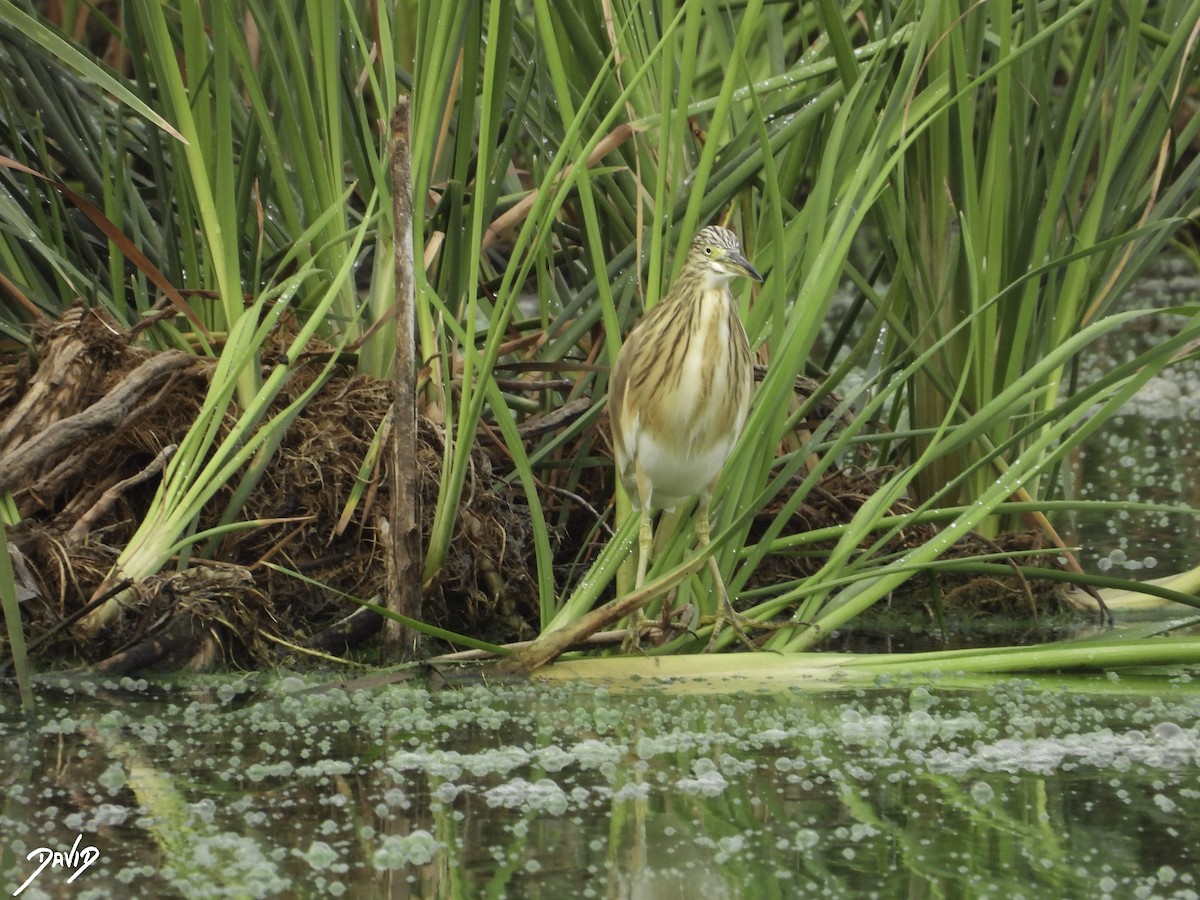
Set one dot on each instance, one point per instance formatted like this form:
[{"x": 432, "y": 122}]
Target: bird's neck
[{"x": 715, "y": 281}]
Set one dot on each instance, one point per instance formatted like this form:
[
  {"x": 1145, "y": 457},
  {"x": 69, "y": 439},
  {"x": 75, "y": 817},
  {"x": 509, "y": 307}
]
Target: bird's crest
[{"x": 714, "y": 237}]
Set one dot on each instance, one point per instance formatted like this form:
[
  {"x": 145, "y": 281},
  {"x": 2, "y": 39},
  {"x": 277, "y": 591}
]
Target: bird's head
[{"x": 716, "y": 252}]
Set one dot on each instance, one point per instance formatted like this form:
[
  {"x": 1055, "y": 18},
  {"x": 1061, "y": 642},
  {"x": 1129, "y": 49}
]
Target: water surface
[{"x": 1068, "y": 787}]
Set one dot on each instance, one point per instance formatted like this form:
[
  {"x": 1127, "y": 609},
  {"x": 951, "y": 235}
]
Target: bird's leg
[
  {"x": 637, "y": 618},
  {"x": 725, "y": 612},
  {"x": 645, "y": 544}
]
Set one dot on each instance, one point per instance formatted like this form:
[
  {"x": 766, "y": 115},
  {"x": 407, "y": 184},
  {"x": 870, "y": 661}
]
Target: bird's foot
[
  {"x": 740, "y": 625},
  {"x": 677, "y": 621},
  {"x": 638, "y": 625}
]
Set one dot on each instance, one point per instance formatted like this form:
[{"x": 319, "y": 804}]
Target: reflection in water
[{"x": 1017, "y": 788}]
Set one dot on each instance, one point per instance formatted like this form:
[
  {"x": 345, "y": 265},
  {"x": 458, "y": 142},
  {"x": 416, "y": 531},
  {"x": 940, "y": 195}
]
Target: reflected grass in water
[{"x": 955, "y": 787}]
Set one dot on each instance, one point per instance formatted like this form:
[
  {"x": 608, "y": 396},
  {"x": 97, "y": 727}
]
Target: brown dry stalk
[
  {"x": 110, "y": 412},
  {"x": 108, "y": 499},
  {"x": 520, "y": 210},
  {"x": 553, "y": 643},
  {"x": 405, "y": 557}
]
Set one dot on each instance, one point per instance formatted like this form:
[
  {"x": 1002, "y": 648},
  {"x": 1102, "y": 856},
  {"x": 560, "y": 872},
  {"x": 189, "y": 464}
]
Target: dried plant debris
[{"x": 236, "y": 608}]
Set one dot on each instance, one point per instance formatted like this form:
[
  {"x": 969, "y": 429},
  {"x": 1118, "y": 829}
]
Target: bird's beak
[{"x": 737, "y": 261}]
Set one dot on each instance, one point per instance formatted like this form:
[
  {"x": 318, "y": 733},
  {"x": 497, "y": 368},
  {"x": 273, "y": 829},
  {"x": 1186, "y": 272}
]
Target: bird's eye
[{"x": 708, "y": 251}]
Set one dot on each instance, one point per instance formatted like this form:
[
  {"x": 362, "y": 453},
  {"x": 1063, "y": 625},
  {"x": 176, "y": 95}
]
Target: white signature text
[{"x": 78, "y": 858}]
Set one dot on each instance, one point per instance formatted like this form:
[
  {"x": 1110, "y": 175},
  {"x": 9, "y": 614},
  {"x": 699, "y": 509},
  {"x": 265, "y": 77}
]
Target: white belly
[{"x": 675, "y": 478}]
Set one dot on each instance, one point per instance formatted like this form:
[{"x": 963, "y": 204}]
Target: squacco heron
[{"x": 679, "y": 394}]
